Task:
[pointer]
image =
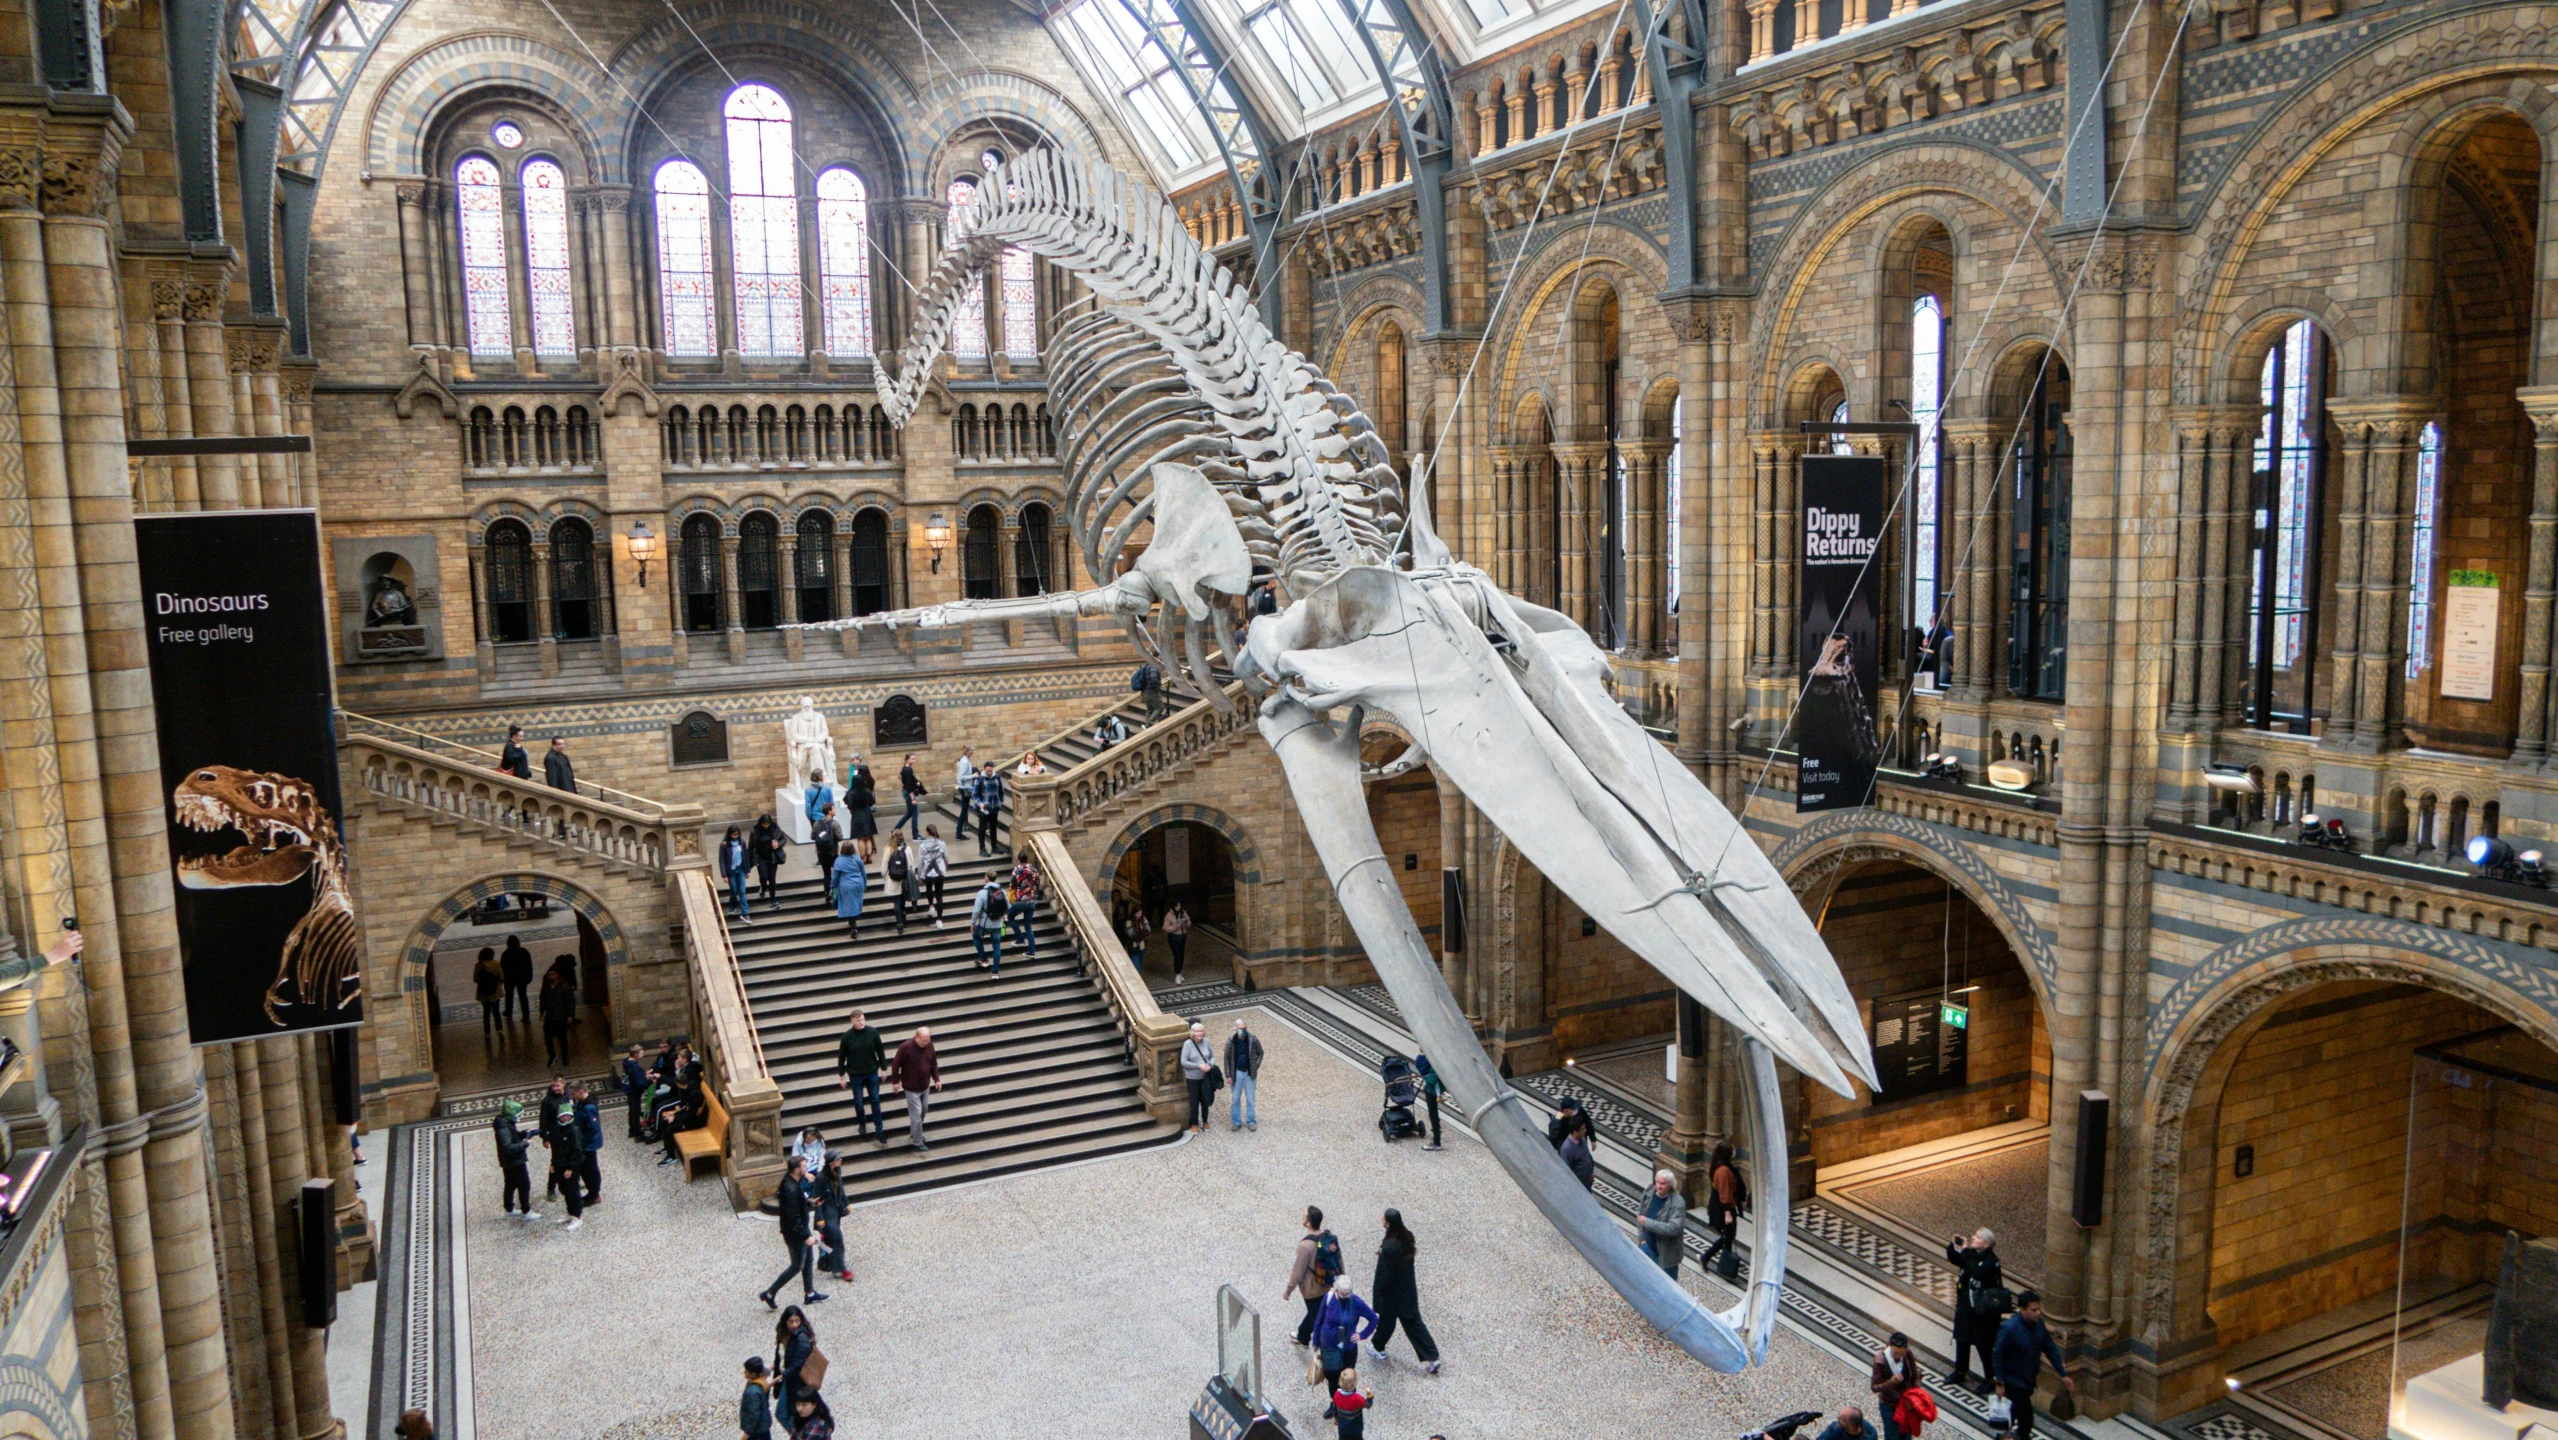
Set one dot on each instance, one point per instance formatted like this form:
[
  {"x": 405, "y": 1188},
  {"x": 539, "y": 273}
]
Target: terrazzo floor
[
  {"x": 2353, "y": 1395},
  {"x": 1079, "y": 1301},
  {"x": 2003, "y": 1190}
]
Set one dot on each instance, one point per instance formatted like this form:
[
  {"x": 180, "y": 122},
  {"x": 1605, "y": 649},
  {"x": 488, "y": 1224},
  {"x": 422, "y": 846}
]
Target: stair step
[{"x": 898, "y": 1170}]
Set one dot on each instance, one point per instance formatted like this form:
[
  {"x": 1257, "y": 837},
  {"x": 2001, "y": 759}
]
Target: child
[
  {"x": 1350, "y": 1407},
  {"x": 755, "y": 1403}
]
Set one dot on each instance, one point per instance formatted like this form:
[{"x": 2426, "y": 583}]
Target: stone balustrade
[
  {"x": 1153, "y": 1038},
  {"x": 751, "y": 1151},
  {"x": 1170, "y": 744},
  {"x": 624, "y": 832}
]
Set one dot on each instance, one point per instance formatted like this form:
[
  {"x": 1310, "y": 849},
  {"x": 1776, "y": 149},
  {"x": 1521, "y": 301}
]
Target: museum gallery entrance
[
  {"x": 2371, "y": 1144},
  {"x": 1193, "y": 866},
  {"x": 1957, "y": 1138},
  {"x": 473, "y": 1057}
]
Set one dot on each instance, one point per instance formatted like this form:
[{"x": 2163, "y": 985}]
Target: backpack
[
  {"x": 896, "y": 864},
  {"x": 1327, "y": 1256},
  {"x": 1137, "y": 681},
  {"x": 1740, "y": 1190}
]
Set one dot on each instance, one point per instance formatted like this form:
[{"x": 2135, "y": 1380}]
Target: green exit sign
[{"x": 1957, "y": 1016}]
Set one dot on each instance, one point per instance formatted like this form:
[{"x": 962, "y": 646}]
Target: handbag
[
  {"x": 812, "y": 1371},
  {"x": 1216, "y": 1079},
  {"x": 2000, "y": 1411}
]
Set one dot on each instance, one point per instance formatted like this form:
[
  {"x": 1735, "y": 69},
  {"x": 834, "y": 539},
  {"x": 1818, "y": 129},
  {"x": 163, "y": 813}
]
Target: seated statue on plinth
[{"x": 808, "y": 743}]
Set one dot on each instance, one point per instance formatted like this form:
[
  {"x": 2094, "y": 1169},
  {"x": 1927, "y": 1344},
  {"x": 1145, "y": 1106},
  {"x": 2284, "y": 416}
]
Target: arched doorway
[
  {"x": 1958, "y": 1135},
  {"x": 2351, "y": 1155},
  {"x": 1190, "y": 864},
  {"x": 558, "y": 927}
]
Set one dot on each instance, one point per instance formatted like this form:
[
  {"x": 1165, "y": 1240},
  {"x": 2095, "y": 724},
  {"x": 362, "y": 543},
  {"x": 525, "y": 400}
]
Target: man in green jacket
[{"x": 859, "y": 1057}]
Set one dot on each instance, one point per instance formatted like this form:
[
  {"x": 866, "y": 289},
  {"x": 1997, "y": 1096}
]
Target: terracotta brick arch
[
  {"x": 1248, "y": 908},
  {"x": 419, "y": 951}
]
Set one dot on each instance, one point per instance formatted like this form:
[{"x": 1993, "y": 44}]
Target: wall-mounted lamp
[
  {"x": 937, "y": 536},
  {"x": 643, "y": 548}
]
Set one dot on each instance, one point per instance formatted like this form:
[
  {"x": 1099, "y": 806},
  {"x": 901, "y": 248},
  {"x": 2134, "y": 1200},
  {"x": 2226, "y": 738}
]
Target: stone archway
[
  {"x": 2197, "y": 1033},
  {"x": 419, "y": 952},
  {"x": 1815, "y": 856},
  {"x": 1239, "y": 843}
]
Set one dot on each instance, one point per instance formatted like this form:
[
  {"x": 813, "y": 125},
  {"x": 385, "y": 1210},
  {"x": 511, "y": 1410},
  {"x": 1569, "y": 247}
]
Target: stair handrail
[
  {"x": 1063, "y": 796},
  {"x": 1154, "y": 1039},
  {"x": 752, "y": 1149},
  {"x": 351, "y": 724},
  {"x": 658, "y": 838}
]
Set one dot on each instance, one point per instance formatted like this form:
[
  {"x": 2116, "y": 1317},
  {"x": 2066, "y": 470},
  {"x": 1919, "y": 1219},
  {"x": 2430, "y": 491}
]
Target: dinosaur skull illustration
[
  {"x": 286, "y": 834},
  {"x": 1192, "y": 429}
]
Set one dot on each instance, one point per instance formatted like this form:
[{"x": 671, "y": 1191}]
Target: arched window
[
  {"x": 2290, "y": 458},
  {"x": 759, "y": 590},
  {"x": 572, "y": 580},
  {"x": 546, "y": 258},
  {"x": 1021, "y": 307},
  {"x": 1927, "y": 389},
  {"x": 843, "y": 253},
  {"x": 684, "y": 260},
  {"x": 2038, "y": 625},
  {"x": 1032, "y": 552},
  {"x": 870, "y": 562},
  {"x": 815, "y": 571},
  {"x": 968, "y": 322},
  {"x": 698, "y": 573},
  {"x": 1840, "y": 444},
  {"x": 980, "y": 576},
  {"x": 1670, "y": 527},
  {"x": 479, "y": 199},
  {"x": 510, "y": 582},
  {"x": 2420, "y": 566},
  {"x": 763, "y": 222}
]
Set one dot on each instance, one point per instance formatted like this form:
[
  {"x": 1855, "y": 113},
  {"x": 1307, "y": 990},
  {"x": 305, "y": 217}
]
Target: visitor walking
[
  {"x": 1199, "y": 1071},
  {"x": 828, "y": 1202},
  {"x": 817, "y": 801},
  {"x": 568, "y": 1150},
  {"x": 913, "y": 790},
  {"x": 1980, "y": 1302},
  {"x": 1431, "y": 1089},
  {"x": 1177, "y": 937},
  {"x": 768, "y": 847},
  {"x": 932, "y": 866},
  {"x": 861, "y": 810},
  {"x": 850, "y": 883},
  {"x": 1849, "y": 1426},
  {"x": 1724, "y": 1196},
  {"x": 1149, "y": 685},
  {"x": 1576, "y": 1152},
  {"x": 2017, "y": 1361},
  {"x": 859, "y": 1057},
  {"x": 755, "y": 1403},
  {"x": 511, "y": 1145},
  {"x": 793, "y": 1199},
  {"x": 1243, "y": 1065},
  {"x": 1343, "y": 1321},
  {"x": 559, "y": 1007},
  {"x": 986, "y": 926},
  {"x": 515, "y": 967},
  {"x": 815, "y": 1421},
  {"x": 826, "y": 839},
  {"x": 1566, "y": 1111},
  {"x": 1664, "y": 1223},
  {"x": 902, "y": 888},
  {"x": 810, "y": 1147},
  {"x": 557, "y": 772},
  {"x": 734, "y": 862},
  {"x": 488, "y": 983},
  {"x": 967, "y": 791},
  {"x": 918, "y": 1072},
  {"x": 1311, "y": 1275},
  {"x": 1024, "y": 891},
  {"x": 1349, "y": 1409},
  {"x": 512, "y": 760},
  {"x": 590, "y": 1145},
  {"x": 988, "y": 788},
  {"x": 794, "y": 1341},
  {"x": 1896, "y": 1374},
  {"x": 632, "y": 1072},
  {"x": 1397, "y": 1295}
]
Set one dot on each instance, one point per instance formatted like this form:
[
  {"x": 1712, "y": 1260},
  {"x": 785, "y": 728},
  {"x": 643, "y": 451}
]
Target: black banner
[
  {"x": 238, "y": 631},
  {"x": 1841, "y": 632}
]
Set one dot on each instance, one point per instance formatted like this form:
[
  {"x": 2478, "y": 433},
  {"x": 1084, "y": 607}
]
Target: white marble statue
[
  {"x": 1244, "y": 458},
  {"x": 810, "y": 745}
]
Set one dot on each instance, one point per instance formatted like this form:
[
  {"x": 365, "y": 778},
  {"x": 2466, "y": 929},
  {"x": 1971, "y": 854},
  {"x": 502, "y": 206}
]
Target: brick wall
[{"x": 1892, "y": 933}]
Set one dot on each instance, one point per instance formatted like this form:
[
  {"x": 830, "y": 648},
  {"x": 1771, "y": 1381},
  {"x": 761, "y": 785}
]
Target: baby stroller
[{"x": 1403, "y": 1091}]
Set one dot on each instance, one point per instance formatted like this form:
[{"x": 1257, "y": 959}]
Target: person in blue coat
[
  {"x": 1343, "y": 1321},
  {"x": 849, "y": 879},
  {"x": 590, "y": 1142},
  {"x": 821, "y": 797},
  {"x": 2016, "y": 1361}
]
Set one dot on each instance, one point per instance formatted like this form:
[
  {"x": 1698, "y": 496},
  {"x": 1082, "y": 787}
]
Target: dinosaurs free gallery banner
[{"x": 239, "y": 642}]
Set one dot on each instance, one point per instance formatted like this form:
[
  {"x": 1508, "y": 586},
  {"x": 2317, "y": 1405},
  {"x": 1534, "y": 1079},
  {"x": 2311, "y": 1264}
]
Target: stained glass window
[
  {"x": 763, "y": 222},
  {"x": 480, "y": 198},
  {"x": 2420, "y": 569},
  {"x": 546, "y": 258},
  {"x": 843, "y": 254},
  {"x": 1021, "y": 307},
  {"x": 2286, "y": 449},
  {"x": 684, "y": 259},
  {"x": 1927, "y": 383},
  {"x": 968, "y": 322},
  {"x": 1840, "y": 444}
]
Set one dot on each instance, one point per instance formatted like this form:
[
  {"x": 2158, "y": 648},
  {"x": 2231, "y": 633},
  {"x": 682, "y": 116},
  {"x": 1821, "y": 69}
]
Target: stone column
[
  {"x": 1646, "y": 477},
  {"x": 545, "y": 627},
  {"x": 736, "y": 613},
  {"x": 2389, "y": 498},
  {"x": 177, "y": 404},
  {"x": 289, "y": 1164},
  {"x": 416, "y": 282},
  {"x": 794, "y": 642},
  {"x": 519, "y": 300},
  {"x": 1687, "y": 1143},
  {"x": 1762, "y": 29},
  {"x": 1579, "y": 508},
  {"x": 2540, "y": 580},
  {"x": 209, "y": 381},
  {"x": 621, "y": 316}
]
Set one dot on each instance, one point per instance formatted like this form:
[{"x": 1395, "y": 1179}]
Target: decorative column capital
[
  {"x": 253, "y": 348},
  {"x": 2391, "y": 417},
  {"x": 2540, "y": 402}
]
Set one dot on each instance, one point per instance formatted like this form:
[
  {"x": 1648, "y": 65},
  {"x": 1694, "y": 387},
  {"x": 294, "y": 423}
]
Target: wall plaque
[
  {"x": 698, "y": 738},
  {"x": 389, "y": 604},
  {"x": 899, "y": 723},
  {"x": 2471, "y": 605}
]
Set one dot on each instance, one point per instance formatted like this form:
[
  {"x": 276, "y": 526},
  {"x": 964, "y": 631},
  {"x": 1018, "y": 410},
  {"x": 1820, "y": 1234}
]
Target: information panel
[{"x": 1921, "y": 1043}]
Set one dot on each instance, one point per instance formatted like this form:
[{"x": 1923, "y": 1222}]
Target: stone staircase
[{"x": 1036, "y": 1069}]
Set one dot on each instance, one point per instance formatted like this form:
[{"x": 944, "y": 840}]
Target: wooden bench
[{"x": 707, "y": 1142}]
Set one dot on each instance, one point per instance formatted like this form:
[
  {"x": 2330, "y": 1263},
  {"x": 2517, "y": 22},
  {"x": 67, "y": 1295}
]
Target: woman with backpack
[
  {"x": 1726, "y": 1192},
  {"x": 932, "y": 867},
  {"x": 1397, "y": 1295}
]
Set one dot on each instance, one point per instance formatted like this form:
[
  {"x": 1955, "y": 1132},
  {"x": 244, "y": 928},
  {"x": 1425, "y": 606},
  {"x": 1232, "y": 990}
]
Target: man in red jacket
[
  {"x": 1896, "y": 1373},
  {"x": 918, "y": 1071}
]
